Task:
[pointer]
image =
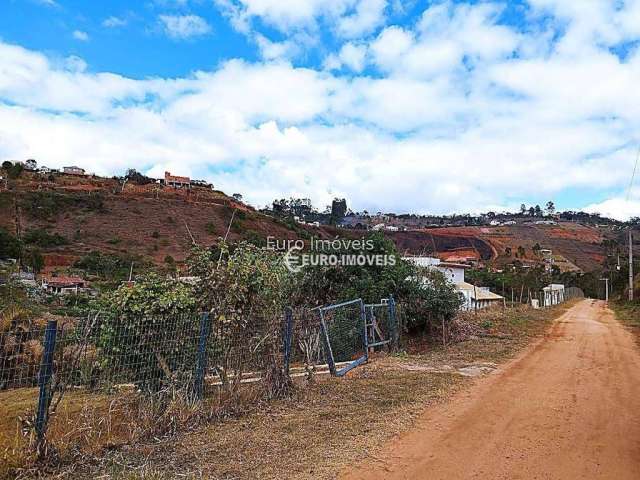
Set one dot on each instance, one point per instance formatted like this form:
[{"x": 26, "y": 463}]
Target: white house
[
  {"x": 553, "y": 294},
  {"x": 73, "y": 170},
  {"x": 474, "y": 297}
]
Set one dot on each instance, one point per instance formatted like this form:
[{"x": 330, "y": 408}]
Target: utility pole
[
  {"x": 606, "y": 289},
  {"x": 630, "y": 266}
]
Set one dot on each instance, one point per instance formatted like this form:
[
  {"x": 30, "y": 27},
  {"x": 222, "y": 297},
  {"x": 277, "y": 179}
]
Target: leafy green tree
[
  {"x": 551, "y": 208},
  {"x": 145, "y": 330},
  {"x": 9, "y": 245},
  {"x": 538, "y": 211}
]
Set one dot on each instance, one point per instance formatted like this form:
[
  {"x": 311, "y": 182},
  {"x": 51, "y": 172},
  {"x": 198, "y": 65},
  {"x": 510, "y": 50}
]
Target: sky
[{"x": 398, "y": 106}]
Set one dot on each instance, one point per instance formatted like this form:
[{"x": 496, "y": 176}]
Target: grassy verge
[
  {"x": 328, "y": 423},
  {"x": 627, "y": 313}
]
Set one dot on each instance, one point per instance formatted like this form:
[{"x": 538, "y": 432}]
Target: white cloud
[
  {"x": 81, "y": 36},
  {"x": 349, "y": 18},
  {"x": 184, "y": 26},
  {"x": 618, "y": 208},
  {"x": 368, "y": 15},
  {"x": 114, "y": 22},
  {"x": 462, "y": 113},
  {"x": 353, "y": 56}
]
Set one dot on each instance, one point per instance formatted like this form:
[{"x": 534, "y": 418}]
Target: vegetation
[
  {"x": 45, "y": 205},
  {"x": 9, "y": 245},
  {"x": 43, "y": 239},
  {"x": 111, "y": 267}
]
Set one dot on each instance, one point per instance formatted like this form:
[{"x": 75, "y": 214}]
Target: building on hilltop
[
  {"x": 73, "y": 170},
  {"x": 176, "y": 181}
]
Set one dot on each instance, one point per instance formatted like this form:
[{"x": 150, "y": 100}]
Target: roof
[
  {"x": 478, "y": 293},
  {"x": 175, "y": 178},
  {"x": 64, "y": 281},
  {"x": 451, "y": 265}
]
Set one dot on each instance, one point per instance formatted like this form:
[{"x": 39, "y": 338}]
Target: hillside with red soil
[
  {"x": 575, "y": 244},
  {"x": 96, "y": 214},
  {"x": 157, "y": 222}
]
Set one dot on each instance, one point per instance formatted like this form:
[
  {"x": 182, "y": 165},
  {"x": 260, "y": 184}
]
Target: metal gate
[{"x": 351, "y": 330}]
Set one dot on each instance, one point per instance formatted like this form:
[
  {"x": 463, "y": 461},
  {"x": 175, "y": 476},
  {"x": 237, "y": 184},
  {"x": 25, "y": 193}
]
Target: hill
[{"x": 70, "y": 216}]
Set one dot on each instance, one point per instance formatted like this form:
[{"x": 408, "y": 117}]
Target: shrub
[
  {"x": 44, "y": 239},
  {"x": 9, "y": 245},
  {"x": 145, "y": 334}
]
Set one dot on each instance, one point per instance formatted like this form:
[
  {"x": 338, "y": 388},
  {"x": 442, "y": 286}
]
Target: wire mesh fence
[{"x": 106, "y": 378}]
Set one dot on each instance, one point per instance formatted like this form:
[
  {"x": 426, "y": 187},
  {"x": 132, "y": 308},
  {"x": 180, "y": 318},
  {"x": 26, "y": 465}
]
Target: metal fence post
[
  {"x": 393, "y": 321},
  {"x": 365, "y": 338},
  {"x": 327, "y": 345},
  {"x": 287, "y": 333},
  {"x": 201, "y": 365},
  {"x": 44, "y": 378}
]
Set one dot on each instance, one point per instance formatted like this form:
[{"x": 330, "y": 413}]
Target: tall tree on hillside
[
  {"x": 551, "y": 208},
  {"x": 538, "y": 211},
  {"x": 523, "y": 209},
  {"x": 532, "y": 211}
]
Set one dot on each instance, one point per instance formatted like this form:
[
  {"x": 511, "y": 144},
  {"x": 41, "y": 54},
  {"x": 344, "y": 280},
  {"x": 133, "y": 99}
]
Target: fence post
[
  {"x": 393, "y": 321},
  {"x": 286, "y": 337},
  {"x": 201, "y": 365},
  {"x": 327, "y": 344},
  {"x": 44, "y": 379},
  {"x": 365, "y": 338}
]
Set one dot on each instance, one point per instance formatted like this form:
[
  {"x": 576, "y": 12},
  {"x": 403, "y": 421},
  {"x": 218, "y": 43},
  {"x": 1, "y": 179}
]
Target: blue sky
[{"x": 399, "y": 106}]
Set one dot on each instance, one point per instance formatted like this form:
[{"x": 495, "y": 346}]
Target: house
[
  {"x": 64, "y": 285},
  {"x": 553, "y": 294},
  {"x": 509, "y": 222},
  {"x": 391, "y": 228},
  {"x": 378, "y": 227},
  {"x": 45, "y": 170},
  {"x": 73, "y": 170},
  {"x": 27, "y": 279},
  {"x": 474, "y": 297},
  {"x": 176, "y": 181}
]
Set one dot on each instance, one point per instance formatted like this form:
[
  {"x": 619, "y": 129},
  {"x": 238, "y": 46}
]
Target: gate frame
[
  {"x": 327, "y": 343},
  {"x": 393, "y": 334}
]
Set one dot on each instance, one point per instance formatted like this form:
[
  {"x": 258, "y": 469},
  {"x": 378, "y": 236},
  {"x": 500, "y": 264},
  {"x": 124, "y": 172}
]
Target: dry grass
[{"x": 326, "y": 425}]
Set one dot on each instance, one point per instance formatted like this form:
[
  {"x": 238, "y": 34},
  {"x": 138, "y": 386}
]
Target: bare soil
[
  {"x": 327, "y": 425},
  {"x": 565, "y": 409}
]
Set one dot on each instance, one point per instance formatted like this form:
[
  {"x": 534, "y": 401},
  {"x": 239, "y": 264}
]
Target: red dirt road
[{"x": 568, "y": 408}]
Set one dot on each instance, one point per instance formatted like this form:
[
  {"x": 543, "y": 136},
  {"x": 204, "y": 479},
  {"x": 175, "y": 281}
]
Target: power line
[{"x": 633, "y": 175}]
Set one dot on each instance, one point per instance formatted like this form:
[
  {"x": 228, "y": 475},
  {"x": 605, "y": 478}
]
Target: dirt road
[{"x": 568, "y": 408}]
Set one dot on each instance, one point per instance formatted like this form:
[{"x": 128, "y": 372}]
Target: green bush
[
  {"x": 43, "y": 239},
  {"x": 9, "y": 245}
]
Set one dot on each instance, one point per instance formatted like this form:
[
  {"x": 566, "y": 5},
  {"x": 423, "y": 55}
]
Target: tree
[
  {"x": 34, "y": 259},
  {"x": 551, "y": 208},
  {"x": 237, "y": 196},
  {"x": 6, "y": 165},
  {"x": 9, "y": 245},
  {"x": 15, "y": 170},
  {"x": 136, "y": 177},
  {"x": 523, "y": 209},
  {"x": 532, "y": 211},
  {"x": 139, "y": 328},
  {"x": 521, "y": 251},
  {"x": 31, "y": 164},
  {"x": 538, "y": 211}
]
